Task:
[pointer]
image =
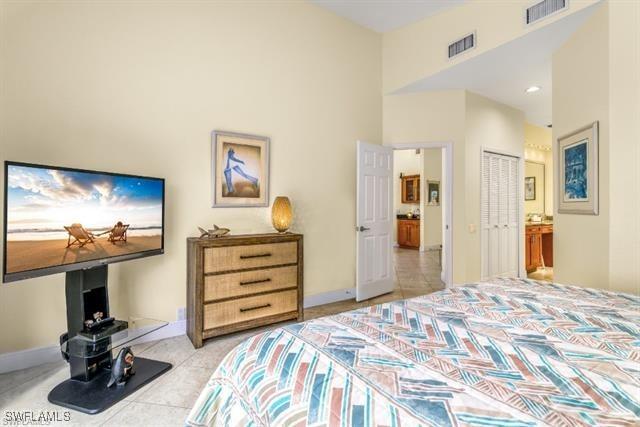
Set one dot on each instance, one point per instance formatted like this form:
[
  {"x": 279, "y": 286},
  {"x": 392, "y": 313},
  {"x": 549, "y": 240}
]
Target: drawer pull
[
  {"x": 253, "y": 282},
  {"x": 257, "y": 307},
  {"x": 255, "y": 256}
]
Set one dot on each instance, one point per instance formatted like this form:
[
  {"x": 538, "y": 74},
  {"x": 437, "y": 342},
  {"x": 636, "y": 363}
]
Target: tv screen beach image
[{"x": 57, "y": 217}]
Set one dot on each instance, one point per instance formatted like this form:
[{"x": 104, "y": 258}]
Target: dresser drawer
[
  {"x": 249, "y": 308},
  {"x": 231, "y": 258},
  {"x": 249, "y": 282}
]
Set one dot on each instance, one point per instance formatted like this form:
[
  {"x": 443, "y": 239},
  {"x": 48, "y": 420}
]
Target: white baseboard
[
  {"x": 28, "y": 358},
  {"x": 329, "y": 297},
  {"x": 37, "y": 356}
]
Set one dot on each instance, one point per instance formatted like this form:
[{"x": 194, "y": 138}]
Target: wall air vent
[
  {"x": 462, "y": 45},
  {"x": 543, "y": 9}
]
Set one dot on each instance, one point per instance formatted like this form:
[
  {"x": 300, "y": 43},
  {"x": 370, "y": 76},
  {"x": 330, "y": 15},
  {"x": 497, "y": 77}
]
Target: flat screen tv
[{"x": 59, "y": 219}]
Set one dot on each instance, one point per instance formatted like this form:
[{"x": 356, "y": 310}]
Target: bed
[{"x": 511, "y": 352}]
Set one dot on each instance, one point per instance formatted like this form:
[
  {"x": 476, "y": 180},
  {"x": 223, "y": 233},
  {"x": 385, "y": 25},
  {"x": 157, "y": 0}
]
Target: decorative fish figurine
[
  {"x": 212, "y": 234},
  {"x": 122, "y": 367}
]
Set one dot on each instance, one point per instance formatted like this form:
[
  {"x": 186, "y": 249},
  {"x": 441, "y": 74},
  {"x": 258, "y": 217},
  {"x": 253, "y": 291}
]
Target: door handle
[
  {"x": 258, "y": 307},
  {"x": 361, "y": 228}
]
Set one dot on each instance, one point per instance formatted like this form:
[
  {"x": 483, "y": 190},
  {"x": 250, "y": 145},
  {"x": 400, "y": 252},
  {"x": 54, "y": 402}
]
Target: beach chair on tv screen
[
  {"x": 118, "y": 233},
  {"x": 79, "y": 234}
]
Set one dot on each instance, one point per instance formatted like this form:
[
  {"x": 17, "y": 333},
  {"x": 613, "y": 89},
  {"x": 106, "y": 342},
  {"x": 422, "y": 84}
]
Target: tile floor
[
  {"x": 545, "y": 274},
  {"x": 167, "y": 400}
]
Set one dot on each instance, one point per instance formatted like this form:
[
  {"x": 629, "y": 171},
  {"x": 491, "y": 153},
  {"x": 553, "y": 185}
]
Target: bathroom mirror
[{"x": 534, "y": 187}]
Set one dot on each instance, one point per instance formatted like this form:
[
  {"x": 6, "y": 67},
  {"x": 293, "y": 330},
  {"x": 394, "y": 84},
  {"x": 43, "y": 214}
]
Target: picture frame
[
  {"x": 578, "y": 159},
  {"x": 239, "y": 169},
  {"x": 433, "y": 193},
  {"x": 530, "y": 188}
]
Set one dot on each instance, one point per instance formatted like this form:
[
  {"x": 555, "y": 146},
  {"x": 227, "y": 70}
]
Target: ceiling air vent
[
  {"x": 544, "y": 9},
  {"x": 462, "y": 45}
]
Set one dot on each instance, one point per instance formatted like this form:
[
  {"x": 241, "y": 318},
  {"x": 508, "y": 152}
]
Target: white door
[
  {"x": 374, "y": 274},
  {"x": 499, "y": 215}
]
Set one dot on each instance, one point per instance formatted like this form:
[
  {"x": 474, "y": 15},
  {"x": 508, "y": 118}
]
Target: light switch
[{"x": 472, "y": 228}]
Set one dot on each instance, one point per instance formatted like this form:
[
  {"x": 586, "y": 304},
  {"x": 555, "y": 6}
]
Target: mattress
[{"x": 510, "y": 352}]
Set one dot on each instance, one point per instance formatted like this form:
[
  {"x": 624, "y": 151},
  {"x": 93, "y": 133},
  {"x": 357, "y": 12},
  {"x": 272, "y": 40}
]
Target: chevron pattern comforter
[{"x": 507, "y": 353}]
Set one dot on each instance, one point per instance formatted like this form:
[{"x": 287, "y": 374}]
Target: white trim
[
  {"x": 24, "y": 359},
  {"x": 329, "y": 297},
  {"x": 446, "y": 203},
  {"x": 27, "y": 358}
]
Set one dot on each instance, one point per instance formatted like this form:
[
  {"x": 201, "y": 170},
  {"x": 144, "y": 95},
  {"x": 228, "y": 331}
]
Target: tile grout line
[{"x": 117, "y": 413}]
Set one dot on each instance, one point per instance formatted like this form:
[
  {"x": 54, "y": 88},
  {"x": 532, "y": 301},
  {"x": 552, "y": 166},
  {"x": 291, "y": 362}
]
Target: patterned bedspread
[{"x": 507, "y": 353}]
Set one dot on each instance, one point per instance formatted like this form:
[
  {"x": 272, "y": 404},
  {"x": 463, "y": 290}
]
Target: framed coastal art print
[
  {"x": 578, "y": 171},
  {"x": 240, "y": 169},
  {"x": 530, "y": 188},
  {"x": 433, "y": 193}
]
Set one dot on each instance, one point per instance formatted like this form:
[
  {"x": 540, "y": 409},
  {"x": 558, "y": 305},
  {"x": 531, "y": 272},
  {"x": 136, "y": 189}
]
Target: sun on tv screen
[{"x": 60, "y": 219}]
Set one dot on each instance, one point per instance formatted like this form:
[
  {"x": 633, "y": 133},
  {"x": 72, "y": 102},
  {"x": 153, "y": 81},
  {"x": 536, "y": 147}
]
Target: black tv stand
[{"x": 90, "y": 358}]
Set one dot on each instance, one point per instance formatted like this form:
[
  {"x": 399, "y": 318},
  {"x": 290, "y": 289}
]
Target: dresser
[{"x": 242, "y": 282}]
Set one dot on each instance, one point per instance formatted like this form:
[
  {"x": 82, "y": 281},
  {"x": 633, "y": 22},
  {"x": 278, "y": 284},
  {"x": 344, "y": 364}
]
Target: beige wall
[
  {"x": 138, "y": 87},
  {"x": 493, "y": 126},
  {"x": 624, "y": 149},
  {"x": 603, "y": 251},
  {"x": 537, "y": 171},
  {"x": 541, "y": 137},
  {"x": 406, "y": 162},
  {"x": 471, "y": 122},
  {"x": 434, "y": 117},
  {"x": 419, "y": 50},
  {"x": 581, "y": 242},
  {"x": 431, "y": 215}
]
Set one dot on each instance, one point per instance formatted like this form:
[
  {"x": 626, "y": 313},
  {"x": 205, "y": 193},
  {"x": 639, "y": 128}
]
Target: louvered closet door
[{"x": 499, "y": 216}]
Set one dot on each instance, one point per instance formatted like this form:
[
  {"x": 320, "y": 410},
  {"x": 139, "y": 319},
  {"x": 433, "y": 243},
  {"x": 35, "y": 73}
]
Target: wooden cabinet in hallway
[{"x": 409, "y": 233}]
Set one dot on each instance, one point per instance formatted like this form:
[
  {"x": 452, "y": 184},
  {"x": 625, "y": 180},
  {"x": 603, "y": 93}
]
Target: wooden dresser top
[{"x": 246, "y": 239}]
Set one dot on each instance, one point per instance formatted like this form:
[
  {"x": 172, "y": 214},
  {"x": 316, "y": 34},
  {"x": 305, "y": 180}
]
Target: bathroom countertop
[
  {"x": 410, "y": 219},
  {"x": 528, "y": 223}
]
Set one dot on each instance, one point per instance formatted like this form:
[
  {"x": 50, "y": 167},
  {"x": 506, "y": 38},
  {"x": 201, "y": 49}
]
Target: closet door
[{"x": 499, "y": 216}]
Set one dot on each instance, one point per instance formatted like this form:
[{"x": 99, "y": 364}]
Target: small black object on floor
[{"x": 92, "y": 397}]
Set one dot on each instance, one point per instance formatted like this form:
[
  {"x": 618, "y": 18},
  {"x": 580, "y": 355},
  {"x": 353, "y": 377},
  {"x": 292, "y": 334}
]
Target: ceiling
[
  {"x": 504, "y": 73},
  {"x": 386, "y": 15}
]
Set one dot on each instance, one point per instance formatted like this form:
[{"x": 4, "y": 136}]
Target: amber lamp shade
[{"x": 281, "y": 214}]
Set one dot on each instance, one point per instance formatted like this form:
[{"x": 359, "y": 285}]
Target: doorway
[
  {"x": 375, "y": 218},
  {"x": 418, "y": 220},
  {"x": 538, "y": 203},
  {"x": 434, "y": 253}
]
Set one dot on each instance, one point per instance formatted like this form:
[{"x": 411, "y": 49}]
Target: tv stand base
[{"x": 92, "y": 397}]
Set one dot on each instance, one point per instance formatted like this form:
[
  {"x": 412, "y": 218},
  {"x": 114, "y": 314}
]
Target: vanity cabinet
[
  {"x": 538, "y": 246},
  {"x": 409, "y": 233},
  {"x": 411, "y": 189}
]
